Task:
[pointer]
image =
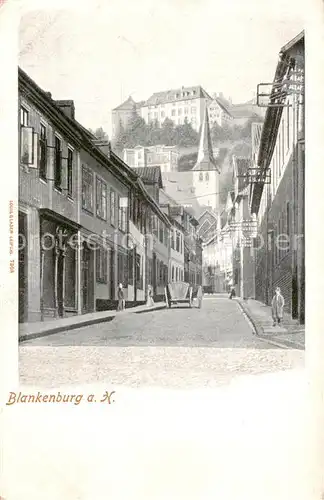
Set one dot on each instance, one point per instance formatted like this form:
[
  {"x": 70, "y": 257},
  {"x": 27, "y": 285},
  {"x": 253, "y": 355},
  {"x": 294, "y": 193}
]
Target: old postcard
[{"x": 156, "y": 250}]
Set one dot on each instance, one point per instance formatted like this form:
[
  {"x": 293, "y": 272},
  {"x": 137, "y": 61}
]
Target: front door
[
  {"x": 154, "y": 274},
  {"x": 112, "y": 273},
  {"x": 87, "y": 305}
]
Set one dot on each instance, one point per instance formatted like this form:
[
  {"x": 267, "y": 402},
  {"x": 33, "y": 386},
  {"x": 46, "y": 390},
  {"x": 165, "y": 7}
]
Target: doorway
[{"x": 87, "y": 280}]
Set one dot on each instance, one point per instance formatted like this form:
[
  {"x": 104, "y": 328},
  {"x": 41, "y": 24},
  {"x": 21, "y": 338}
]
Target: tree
[
  {"x": 186, "y": 135},
  {"x": 99, "y": 133},
  {"x": 168, "y": 133},
  {"x": 121, "y": 140}
]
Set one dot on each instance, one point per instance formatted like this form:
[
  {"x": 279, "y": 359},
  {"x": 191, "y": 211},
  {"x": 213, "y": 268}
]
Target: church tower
[{"x": 206, "y": 172}]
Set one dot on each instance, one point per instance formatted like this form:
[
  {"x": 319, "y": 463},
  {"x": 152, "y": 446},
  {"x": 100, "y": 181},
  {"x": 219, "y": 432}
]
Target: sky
[{"x": 100, "y": 53}]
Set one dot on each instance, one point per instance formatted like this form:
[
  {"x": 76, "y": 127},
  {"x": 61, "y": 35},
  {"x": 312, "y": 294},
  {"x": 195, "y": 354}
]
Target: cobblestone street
[{"x": 178, "y": 347}]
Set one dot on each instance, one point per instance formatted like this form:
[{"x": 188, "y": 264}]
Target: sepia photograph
[{"x": 161, "y": 247}]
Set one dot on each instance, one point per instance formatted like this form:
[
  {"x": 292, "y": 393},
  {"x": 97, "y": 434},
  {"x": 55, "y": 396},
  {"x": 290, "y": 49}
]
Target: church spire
[{"x": 205, "y": 159}]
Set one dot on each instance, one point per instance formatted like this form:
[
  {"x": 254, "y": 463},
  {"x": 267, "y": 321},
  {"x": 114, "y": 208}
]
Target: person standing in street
[
  {"x": 120, "y": 296},
  {"x": 277, "y": 306},
  {"x": 150, "y": 301},
  {"x": 200, "y": 296}
]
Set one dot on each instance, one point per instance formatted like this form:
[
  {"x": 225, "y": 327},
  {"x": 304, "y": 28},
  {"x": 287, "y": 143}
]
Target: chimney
[
  {"x": 49, "y": 95},
  {"x": 67, "y": 106},
  {"x": 104, "y": 146}
]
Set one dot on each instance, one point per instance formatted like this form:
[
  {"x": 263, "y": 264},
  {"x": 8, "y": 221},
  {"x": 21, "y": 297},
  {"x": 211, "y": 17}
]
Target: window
[
  {"x": 193, "y": 111},
  {"x": 122, "y": 268},
  {"x": 155, "y": 115},
  {"x": 24, "y": 117},
  {"x": 43, "y": 152},
  {"x": 173, "y": 112},
  {"x": 122, "y": 215},
  {"x": 131, "y": 265},
  {"x": 177, "y": 275},
  {"x": 162, "y": 114},
  {"x": 180, "y": 111},
  {"x": 101, "y": 199},
  {"x": 112, "y": 207},
  {"x": 172, "y": 274},
  {"x": 201, "y": 176},
  {"x": 58, "y": 164},
  {"x": 178, "y": 242},
  {"x": 161, "y": 231},
  {"x": 186, "y": 111},
  {"x": 101, "y": 265},
  {"x": 138, "y": 272},
  {"x": 87, "y": 189},
  {"x": 26, "y": 138},
  {"x": 70, "y": 172},
  {"x": 207, "y": 176}
]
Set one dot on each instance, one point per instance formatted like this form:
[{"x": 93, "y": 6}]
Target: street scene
[
  {"x": 178, "y": 347},
  {"x": 172, "y": 220},
  {"x": 160, "y": 257}
]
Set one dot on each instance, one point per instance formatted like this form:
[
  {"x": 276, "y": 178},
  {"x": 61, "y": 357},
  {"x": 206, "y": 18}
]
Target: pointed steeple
[{"x": 205, "y": 159}]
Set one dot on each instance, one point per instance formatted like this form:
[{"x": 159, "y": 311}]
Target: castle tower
[{"x": 206, "y": 172}]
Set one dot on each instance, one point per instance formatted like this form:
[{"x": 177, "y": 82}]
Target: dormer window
[
  {"x": 201, "y": 176},
  {"x": 207, "y": 176}
]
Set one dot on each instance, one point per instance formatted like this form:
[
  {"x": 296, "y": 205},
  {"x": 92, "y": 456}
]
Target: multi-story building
[
  {"x": 157, "y": 233},
  {"x": 165, "y": 157},
  {"x": 122, "y": 114},
  {"x": 174, "y": 211},
  {"x": 177, "y": 105},
  {"x": 83, "y": 215},
  {"x": 278, "y": 198},
  {"x": 242, "y": 227},
  {"x": 219, "y": 114}
]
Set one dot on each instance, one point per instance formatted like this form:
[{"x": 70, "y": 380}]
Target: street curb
[
  {"x": 82, "y": 324},
  {"x": 258, "y": 331}
]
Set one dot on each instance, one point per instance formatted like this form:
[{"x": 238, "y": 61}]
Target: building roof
[
  {"x": 179, "y": 186},
  {"x": 127, "y": 105},
  {"x": 224, "y": 108},
  {"x": 180, "y": 94},
  {"x": 205, "y": 159},
  {"x": 150, "y": 175}
]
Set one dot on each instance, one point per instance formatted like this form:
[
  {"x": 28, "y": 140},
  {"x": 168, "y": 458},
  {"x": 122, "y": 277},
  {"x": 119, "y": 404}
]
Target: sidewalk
[
  {"x": 290, "y": 334},
  {"x": 42, "y": 328}
]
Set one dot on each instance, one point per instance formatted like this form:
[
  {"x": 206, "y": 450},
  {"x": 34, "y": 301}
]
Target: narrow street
[{"x": 177, "y": 347}]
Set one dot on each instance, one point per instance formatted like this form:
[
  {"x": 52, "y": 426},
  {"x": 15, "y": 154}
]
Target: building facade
[
  {"x": 84, "y": 215},
  {"x": 122, "y": 114},
  {"x": 279, "y": 202},
  {"x": 219, "y": 114},
  {"x": 177, "y": 105},
  {"x": 165, "y": 157}
]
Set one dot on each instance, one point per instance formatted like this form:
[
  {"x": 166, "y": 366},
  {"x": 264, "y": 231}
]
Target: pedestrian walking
[
  {"x": 277, "y": 306},
  {"x": 232, "y": 293},
  {"x": 150, "y": 301},
  {"x": 200, "y": 296},
  {"x": 120, "y": 296}
]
